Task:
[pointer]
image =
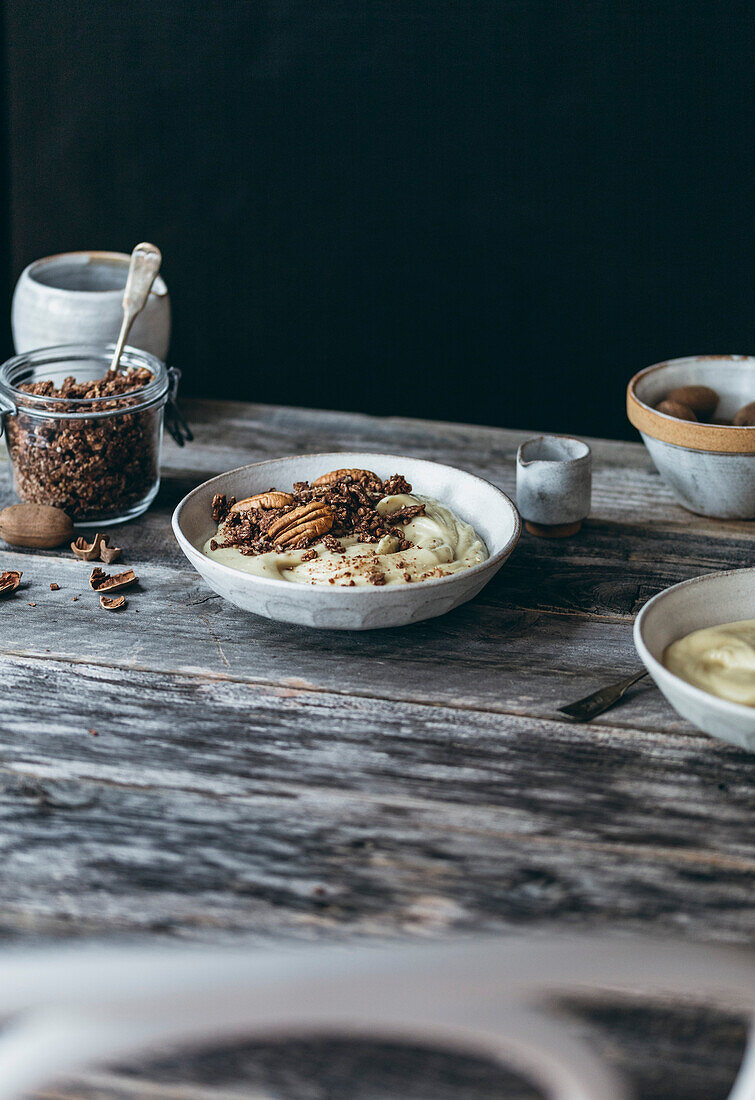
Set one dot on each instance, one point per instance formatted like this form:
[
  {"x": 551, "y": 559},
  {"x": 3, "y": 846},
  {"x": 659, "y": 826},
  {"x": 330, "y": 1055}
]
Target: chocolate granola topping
[
  {"x": 94, "y": 465},
  {"x": 351, "y": 500}
]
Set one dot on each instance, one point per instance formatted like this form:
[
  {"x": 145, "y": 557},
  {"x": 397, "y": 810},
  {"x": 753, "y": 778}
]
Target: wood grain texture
[
  {"x": 486, "y": 655},
  {"x": 537, "y": 780},
  {"x": 91, "y": 858},
  {"x": 252, "y": 778}
]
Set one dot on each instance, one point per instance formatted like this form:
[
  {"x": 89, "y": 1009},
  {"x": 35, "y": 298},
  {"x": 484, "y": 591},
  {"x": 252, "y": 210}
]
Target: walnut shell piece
[
  {"x": 341, "y": 475},
  {"x": 109, "y": 554},
  {"x": 85, "y": 551},
  {"x": 9, "y": 581},
  {"x": 39, "y": 526},
  {"x": 306, "y": 523},
  {"x": 100, "y": 581},
  {"x": 266, "y": 501},
  {"x": 98, "y": 549},
  {"x": 112, "y": 603}
]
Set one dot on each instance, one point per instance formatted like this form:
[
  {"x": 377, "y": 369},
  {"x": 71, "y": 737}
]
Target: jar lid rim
[{"x": 61, "y": 353}]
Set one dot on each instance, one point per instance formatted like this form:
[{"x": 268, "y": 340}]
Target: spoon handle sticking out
[
  {"x": 593, "y": 705},
  {"x": 142, "y": 271}
]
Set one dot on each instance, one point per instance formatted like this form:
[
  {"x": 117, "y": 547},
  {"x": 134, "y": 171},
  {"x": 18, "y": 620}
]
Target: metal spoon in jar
[{"x": 142, "y": 271}]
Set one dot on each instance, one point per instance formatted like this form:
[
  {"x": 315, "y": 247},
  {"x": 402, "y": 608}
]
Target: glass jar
[{"x": 98, "y": 458}]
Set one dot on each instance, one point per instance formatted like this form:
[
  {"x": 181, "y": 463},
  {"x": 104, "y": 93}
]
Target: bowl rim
[
  {"x": 359, "y": 591},
  {"x": 713, "y": 438},
  {"x": 656, "y": 668},
  {"x": 85, "y": 256}
]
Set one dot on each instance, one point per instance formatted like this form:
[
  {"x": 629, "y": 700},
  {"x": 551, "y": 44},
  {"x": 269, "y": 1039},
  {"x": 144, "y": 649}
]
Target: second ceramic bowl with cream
[
  {"x": 710, "y": 468},
  {"x": 711, "y": 600},
  {"x": 475, "y": 501}
]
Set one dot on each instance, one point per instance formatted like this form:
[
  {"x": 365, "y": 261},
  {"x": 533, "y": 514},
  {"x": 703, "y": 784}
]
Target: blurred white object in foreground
[{"x": 71, "y": 1007}]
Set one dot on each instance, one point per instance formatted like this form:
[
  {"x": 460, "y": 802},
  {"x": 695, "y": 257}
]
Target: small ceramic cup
[
  {"x": 553, "y": 484},
  {"x": 75, "y": 298}
]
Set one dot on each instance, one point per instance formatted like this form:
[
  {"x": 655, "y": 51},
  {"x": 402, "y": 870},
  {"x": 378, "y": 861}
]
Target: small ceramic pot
[
  {"x": 75, "y": 298},
  {"x": 553, "y": 484},
  {"x": 710, "y": 468}
]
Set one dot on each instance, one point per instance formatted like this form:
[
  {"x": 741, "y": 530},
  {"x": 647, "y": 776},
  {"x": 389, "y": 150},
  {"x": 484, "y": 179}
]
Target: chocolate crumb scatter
[
  {"x": 90, "y": 465},
  {"x": 352, "y": 501}
]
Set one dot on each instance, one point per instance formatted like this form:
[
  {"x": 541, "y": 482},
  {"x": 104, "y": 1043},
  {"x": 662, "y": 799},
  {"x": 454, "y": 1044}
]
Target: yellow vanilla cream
[
  {"x": 442, "y": 544},
  {"x": 718, "y": 659}
]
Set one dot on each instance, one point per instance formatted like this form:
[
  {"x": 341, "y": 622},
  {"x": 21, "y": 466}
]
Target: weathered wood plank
[
  {"x": 682, "y": 798},
  {"x": 626, "y": 488},
  {"x": 253, "y": 777},
  {"x": 83, "y": 858},
  {"x": 611, "y": 568},
  {"x": 485, "y": 655},
  {"x": 606, "y": 570}
]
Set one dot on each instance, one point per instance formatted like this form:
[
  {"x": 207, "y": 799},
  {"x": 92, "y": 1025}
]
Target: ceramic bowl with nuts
[
  {"x": 696, "y": 417},
  {"x": 313, "y": 540}
]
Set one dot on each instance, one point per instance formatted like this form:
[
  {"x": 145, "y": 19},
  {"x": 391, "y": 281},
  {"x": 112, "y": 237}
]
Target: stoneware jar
[
  {"x": 710, "y": 468},
  {"x": 75, "y": 298},
  {"x": 553, "y": 484}
]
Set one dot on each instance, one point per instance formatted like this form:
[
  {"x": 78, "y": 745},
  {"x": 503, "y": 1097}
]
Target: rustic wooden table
[{"x": 255, "y": 778}]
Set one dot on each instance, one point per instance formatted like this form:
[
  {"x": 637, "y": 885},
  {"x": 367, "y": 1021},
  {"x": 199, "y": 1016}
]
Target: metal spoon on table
[
  {"x": 142, "y": 271},
  {"x": 601, "y": 700}
]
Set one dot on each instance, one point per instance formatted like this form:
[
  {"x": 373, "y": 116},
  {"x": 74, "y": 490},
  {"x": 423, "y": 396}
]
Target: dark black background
[{"x": 475, "y": 210}]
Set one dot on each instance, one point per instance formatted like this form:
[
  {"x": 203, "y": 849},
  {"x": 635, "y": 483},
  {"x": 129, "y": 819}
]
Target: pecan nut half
[
  {"x": 266, "y": 501},
  {"x": 340, "y": 475},
  {"x": 306, "y": 523},
  {"x": 9, "y": 581},
  {"x": 100, "y": 581}
]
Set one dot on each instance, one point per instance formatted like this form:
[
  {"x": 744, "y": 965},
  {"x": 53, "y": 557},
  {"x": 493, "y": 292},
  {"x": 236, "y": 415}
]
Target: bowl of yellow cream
[{"x": 697, "y": 641}]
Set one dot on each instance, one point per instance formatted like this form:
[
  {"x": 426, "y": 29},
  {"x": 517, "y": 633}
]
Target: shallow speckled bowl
[
  {"x": 709, "y": 600},
  {"x": 710, "y": 468},
  {"x": 478, "y": 502}
]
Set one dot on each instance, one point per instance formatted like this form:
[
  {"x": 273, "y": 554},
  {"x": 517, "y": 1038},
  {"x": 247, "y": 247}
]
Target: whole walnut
[
  {"x": 745, "y": 417},
  {"x": 675, "y": 409},
  {"x": 701, "y": 399}
]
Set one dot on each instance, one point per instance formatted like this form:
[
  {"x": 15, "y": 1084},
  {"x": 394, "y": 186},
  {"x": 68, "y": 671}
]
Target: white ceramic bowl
[
  {"x": 710, "y": 468},
  {"x": 709, "y": 600},
  {"x": 478, "y": 502}
]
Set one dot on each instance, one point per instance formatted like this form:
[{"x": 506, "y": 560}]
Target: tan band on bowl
[{"x": 719, "y": 438}]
